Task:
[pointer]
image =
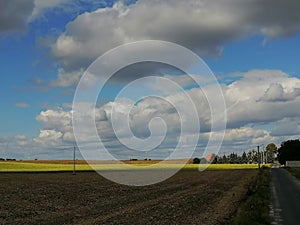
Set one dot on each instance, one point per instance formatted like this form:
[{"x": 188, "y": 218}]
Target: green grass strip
[
  {"x": 255, "y": 210},
  {"x": 295, "y": 171}
]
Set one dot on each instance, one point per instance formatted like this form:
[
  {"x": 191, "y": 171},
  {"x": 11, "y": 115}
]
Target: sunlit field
[{"x": 49, "y": 167}]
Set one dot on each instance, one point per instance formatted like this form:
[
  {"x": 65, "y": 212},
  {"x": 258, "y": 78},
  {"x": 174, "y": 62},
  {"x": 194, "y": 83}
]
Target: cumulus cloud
[
  {"x": 276, "y": 93},
  {"x": 14, "y": 14},
  {"x": 49, "y": 137},
  {"x": 203, "y": 26},
  {"x": 246, "y": 135},
  {"x": 56, "y": 129},
  {"x": 59, "y": 119},
  {"x": 246, "y": 111},
  {"x": 250, "y": 100}
]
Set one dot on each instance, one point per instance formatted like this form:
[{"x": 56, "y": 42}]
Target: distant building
[
  {"x": 293, "y": 163},
  {"x": 211, "y": 158}
]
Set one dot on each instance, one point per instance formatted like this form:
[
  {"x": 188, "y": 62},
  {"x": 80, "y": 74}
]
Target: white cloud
[
  {"x": 277, "y": 93},
  {"x": 245, "y": 117},
  {"x": 49, "y": 138},
  {"x": 203, "y": 26},
  {"x": 59, "y": 119},
  {"x": 69, "y": 137},
  {"x": 244, "y": 98},
  {"x": 247, "y": 97},
  {"x": 245, "y": 135}
]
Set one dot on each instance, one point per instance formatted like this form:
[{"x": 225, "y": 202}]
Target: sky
[{"x": 252, "y": 47}]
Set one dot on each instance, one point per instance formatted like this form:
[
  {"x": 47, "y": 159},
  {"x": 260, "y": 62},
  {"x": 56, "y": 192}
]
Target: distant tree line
[
  {"x": 2, "y": 159},
  {"x": 265, "y": 156}
]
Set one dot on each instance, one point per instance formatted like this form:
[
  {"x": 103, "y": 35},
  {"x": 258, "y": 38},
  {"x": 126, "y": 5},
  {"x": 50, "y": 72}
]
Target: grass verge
[
  {"x": 295, "y": 171},
  {"x": 255, "y": 208}
]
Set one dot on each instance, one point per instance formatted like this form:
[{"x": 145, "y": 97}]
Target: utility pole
[
  {"x": 258, "y": 157},
  {"x": 263, "y": 155},
  {"x": 74, "y": 160}
]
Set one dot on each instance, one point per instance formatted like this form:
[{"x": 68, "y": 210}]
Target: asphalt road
[{"x": 286, "y": 198}]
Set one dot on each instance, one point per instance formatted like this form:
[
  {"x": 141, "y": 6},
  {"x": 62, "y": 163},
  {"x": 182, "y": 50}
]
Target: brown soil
[{"x": 189, "y": 197}]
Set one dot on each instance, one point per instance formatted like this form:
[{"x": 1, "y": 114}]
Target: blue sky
[
  {"x": 255, "y": 52},
  {"x": 46, "y": 46}
]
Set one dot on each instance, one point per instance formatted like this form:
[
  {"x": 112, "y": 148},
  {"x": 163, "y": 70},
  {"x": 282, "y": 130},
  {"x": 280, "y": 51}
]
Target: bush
[{"x": 196, "y": 161}]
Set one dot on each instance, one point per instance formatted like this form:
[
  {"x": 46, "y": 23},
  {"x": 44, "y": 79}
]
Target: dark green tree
[
  {"x": 196, "y": 161},
  {"x": 289, "y": 151},
  {"x": 233, "y": 158},
  {"x": 224, "y": 159},
  {"x": 244, "y": 158},
  {"x": 215, "y": 160}
]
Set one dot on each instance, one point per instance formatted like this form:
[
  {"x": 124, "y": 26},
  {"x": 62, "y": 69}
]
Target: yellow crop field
[{"x": 48, "y": 167}]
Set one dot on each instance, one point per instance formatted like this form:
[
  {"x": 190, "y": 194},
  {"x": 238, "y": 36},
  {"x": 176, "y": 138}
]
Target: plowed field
[{"x": 189, "y": 197}]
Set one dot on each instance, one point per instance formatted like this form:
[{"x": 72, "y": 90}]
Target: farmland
[
  {"x": 48, "y": 166},
  {"x": 189, "y": 197}
]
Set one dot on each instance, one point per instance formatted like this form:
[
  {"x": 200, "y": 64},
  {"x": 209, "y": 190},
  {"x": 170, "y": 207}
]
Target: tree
[
  {"x": 233, "y": 158},
  {"x": 244, "y": 158},
  {"x": 215, "y": 160},
  {"x": 196, "y": 161},
  {"x": 289, "y": 150},
  {"x": 252, "y": 156},
  {"x": 224, "y": 159},
  {"x": 271, "y": 150}
]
